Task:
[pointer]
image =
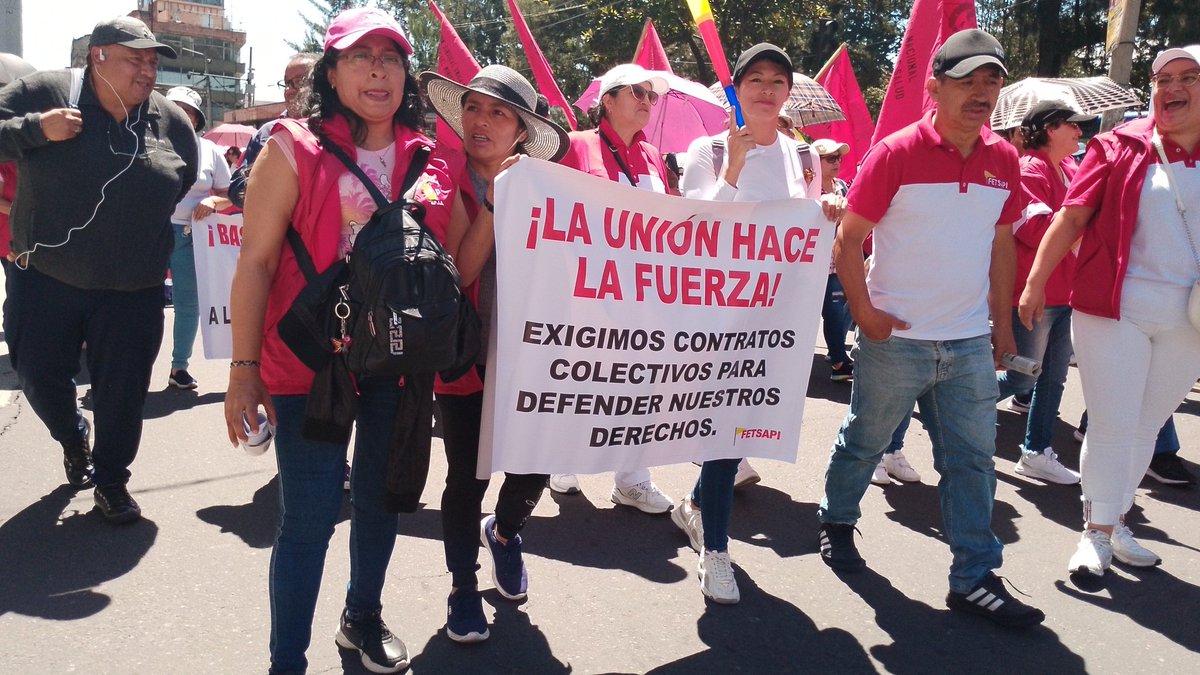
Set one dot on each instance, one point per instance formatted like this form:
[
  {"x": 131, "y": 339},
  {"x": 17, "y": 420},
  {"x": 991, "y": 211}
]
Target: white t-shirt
[
  {"x": 1161, "y": 266},
  {"x": 212, "y": 173},
  {"x": 771, "y": 172}
]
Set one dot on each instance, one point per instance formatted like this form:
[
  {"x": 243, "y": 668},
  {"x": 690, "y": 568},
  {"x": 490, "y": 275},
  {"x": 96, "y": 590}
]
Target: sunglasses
[
  {"x": 832, "y": 159},
  {"x": 643, "y": 94}
]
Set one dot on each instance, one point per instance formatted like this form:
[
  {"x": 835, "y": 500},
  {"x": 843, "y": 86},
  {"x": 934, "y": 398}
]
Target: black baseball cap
[
  {"x": 965, "y": 51},
  {"x": 760, "y": 51},
  {"x": 128, "y": 32},
  {"x": 1045, "y": 113}
]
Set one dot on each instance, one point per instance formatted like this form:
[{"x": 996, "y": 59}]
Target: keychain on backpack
[{"x": 341, "y": 310}]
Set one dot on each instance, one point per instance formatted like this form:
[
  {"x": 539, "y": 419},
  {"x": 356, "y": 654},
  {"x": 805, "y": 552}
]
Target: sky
[{"x": 49, "y": 27}]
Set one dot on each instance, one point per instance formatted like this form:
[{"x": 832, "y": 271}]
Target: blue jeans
[
  {"x": 1050, "y": 342},
  {"x": 310, "y": 498},
  {"x": 184, "y": 298},
  {"x": 835, "y": 318},
  {"x": 713, "y": 495},
  {"x": 954, "y": 383}
]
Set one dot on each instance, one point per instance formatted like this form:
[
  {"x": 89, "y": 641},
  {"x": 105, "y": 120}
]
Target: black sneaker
[
  {"x": 381, "y": 651},
  {"x": 1168, "y": 469},
  {"x": 114, "y": 503},
  {"x": 837, "y": 547},
  {"x": 182, "y": 379},
  {"x": 992, "y": 600},
  {"x": 843, "y": 372},
  {"x": 77, "y": 457}
]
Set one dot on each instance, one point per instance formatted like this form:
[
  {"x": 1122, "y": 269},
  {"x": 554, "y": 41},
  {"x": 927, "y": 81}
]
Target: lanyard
[{"x": 617, "y": 156}]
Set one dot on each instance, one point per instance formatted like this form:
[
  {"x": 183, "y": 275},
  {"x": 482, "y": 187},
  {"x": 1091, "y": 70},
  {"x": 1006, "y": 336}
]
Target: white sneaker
[
  {"x": 897, "y": 465},
  {"x": 746, "y": 475},
  {"x": 687, "y": 518},
  {"x": 1045, "y": 466},
  {"x": 880, "y": 477},
  {"x": 645, "y": 497},
  {"x": 564, "y": 483},
  {"x": 1127, "y": 549},
  {"x": 716, "y": 577},
  {"x": 1093, "y": 555}
]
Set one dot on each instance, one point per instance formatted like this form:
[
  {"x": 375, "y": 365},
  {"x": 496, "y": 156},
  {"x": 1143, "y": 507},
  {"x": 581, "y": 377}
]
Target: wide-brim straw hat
[{"x": 546, "y": 139}]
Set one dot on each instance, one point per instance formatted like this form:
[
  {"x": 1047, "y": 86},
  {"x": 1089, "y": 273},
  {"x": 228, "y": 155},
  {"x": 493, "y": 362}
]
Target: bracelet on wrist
[{"x": 243, "y": 364}]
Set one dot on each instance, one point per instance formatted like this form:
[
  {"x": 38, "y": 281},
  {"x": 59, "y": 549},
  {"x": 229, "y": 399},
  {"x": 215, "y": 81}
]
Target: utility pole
[
  {"x": 1122, "y": 29},
  {"x": 10, "y": 27},
  {"x": 207, "y": 82}
]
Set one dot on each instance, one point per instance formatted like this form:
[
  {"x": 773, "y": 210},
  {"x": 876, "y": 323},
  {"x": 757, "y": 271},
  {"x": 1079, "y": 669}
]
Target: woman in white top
[
  {"x": 209, "y": 193},
  {"x": 755, "y": 162}
]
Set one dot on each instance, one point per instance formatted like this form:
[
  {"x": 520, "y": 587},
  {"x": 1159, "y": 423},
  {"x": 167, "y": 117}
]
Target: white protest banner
[
  {"x": 216, "y": 243},
  {"x": 635, "y": 329}
]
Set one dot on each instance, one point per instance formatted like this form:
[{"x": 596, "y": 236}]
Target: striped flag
[{"x": 703, "y": 16}]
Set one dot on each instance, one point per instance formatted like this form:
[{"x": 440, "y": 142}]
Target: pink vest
[{"x": 318, "y": 219}]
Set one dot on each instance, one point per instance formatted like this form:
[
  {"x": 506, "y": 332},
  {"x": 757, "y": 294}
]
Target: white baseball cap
[
  {"x": 1190, "y": 52},
  {"x": 631, "y": 73}
]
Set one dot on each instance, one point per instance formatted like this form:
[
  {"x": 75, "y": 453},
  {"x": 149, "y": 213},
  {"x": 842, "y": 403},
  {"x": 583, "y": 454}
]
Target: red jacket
[
  {"x": 1044, "y": 192},
  {"x": 1109, "y": 180},
  {"x": 318, "y": 218}
]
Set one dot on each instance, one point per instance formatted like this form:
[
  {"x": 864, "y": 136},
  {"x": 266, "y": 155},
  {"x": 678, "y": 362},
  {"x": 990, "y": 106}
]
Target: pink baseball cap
[{"x": 353, "y": 25}]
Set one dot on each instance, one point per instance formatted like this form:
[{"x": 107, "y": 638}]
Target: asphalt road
[{"x": 612, "y": 590}]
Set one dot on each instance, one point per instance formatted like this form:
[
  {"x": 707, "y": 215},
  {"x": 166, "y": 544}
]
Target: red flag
[
  {"x": 837, "y": 76},
  {"x": 455, "y": 62},
  {"x": 650, "y": 53},
  {"x": 541, "y": 68},
  {"x": 929, "y": 25}
]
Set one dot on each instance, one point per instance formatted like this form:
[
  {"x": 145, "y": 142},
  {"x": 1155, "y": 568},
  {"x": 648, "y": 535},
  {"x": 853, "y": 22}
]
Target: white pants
[{"x": 1134, "y": 374}]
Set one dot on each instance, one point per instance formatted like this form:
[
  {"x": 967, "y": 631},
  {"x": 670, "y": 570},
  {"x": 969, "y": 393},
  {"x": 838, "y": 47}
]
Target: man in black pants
[{"x": 102, "y": 160}]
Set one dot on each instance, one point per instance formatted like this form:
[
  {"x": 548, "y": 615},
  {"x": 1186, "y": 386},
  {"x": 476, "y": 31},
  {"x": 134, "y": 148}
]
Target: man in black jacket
[{"x": 102, "y": 160}]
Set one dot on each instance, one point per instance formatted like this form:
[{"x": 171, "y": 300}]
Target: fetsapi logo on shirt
[{"x": 992, "y": 181}]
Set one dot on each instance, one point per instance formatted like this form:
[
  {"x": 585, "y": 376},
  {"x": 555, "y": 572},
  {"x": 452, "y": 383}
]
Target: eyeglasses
[
  {"x": 832, "y": 159},
  {"x": 365, "y": 61},
  {"x": 1188, "y": 79},
  {"x": 295, "y": 83},
  {"x": 643, "y": 94}
]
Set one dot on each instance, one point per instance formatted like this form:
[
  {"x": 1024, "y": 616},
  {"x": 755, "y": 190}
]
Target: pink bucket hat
[{"x": 353, "y": 25}]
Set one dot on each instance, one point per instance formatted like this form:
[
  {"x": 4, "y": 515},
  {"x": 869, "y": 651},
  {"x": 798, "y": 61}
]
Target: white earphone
[{"x": 103, "y": 56}]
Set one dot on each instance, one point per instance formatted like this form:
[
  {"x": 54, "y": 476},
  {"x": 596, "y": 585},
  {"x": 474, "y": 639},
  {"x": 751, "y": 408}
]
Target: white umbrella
[{"x": 1087, "y": 95}]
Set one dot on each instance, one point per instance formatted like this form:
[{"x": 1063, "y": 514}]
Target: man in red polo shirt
[{"x": 940, "y": 197}]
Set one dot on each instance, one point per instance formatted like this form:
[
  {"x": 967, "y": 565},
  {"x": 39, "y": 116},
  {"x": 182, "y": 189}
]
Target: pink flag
[
  {"x": 455, "y": 62},
  {"x": 837, "y": 76},
  {"x": 541, "y": 68},
  {"x": 929, "y": 25},
  {"x": 650, "y": 53}
]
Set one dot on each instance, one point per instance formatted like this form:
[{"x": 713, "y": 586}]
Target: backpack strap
[
  {"x": 806, "y": 162},
  {"x": 303, "y": 258},
  {"x": 415, "y": 168}
]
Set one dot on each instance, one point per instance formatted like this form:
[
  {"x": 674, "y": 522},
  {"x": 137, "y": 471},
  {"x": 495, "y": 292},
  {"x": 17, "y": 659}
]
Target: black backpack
[{"x": 398, "y": 298}]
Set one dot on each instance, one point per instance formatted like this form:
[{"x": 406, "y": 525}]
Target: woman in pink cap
[
  {"x": 1136, "y": 203},
  {"x": 366, "y": 102}
]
